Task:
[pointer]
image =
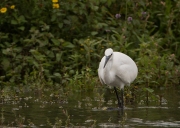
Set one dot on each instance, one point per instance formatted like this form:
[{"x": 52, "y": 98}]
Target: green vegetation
[{"x": 47, "y": 46}]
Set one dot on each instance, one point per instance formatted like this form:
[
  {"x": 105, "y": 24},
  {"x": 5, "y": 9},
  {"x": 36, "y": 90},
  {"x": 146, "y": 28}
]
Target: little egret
[{"x": 117, "y": 69}]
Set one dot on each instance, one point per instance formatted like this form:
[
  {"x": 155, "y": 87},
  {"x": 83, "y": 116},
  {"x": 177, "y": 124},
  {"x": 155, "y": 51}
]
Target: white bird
[{"x": 117, "y": 69}]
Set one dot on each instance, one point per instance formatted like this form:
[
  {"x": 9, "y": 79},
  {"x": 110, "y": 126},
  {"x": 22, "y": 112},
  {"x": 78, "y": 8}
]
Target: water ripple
[{"x": 160, "y": 123}]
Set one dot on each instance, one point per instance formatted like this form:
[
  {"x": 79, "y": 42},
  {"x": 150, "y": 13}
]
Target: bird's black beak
[{"x": 107, "y": 58}]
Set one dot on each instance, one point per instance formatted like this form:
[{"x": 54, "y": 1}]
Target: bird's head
[{"x": 108, "y": 54}]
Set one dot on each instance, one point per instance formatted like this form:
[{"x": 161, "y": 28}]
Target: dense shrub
[{"x": 42, "y": 42}]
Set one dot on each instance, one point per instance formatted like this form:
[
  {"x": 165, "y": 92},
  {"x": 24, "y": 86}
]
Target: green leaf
[
  {"x": 109, "y": 2},
  {"x": 6, "y": 51},
  {"x": 58, "y": 56},
  {"x": 55, "y": 42},
  {"x": 14, "y": 22},
  {"x": 67, "y": 22},
  {"x": 94, "y": 8},
  {"x": 22, "y": 18},
  {"x": 21, "y": 28},
  {"x": 60, "y": 25},
  {"x": 57, "y": 74},
  {"x": 33, "y": 51},
  {"x": 12, "y": 79},
  {"x": 5, "y": 63},
  {"x": 53, "y": 18},
  {"x": 49, "y": 53},
  {"x": 17, "y": 49},
  {"x": 36, "y": 64},
  {"x": 149, "y": 90},
  {"x": 94, "y": 33},
  {"x": 103, "y": 1},
  {"x": 43, "y": 43},
  {"x": 68, "y": 45}
]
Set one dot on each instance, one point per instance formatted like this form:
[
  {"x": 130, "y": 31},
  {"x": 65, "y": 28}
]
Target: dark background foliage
[{"x": 39, "y": 43}]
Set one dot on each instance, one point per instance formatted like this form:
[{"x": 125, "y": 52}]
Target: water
[{"x": 90, "y": 109}]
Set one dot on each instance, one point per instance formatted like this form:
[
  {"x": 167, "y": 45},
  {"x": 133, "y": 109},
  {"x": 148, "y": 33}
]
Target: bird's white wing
[
  {"x": 123, "y": 74},
  {"x": 127, "y": 69},
  {"x": 100, "y": 70}
]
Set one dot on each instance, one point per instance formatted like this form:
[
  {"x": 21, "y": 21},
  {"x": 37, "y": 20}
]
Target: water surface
[{"x": 90, "y": 109}]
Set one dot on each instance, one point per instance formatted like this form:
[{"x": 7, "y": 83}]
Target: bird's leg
[
  {"x": 122, "y": 98},
  {"x": 119, "y": 102}
]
